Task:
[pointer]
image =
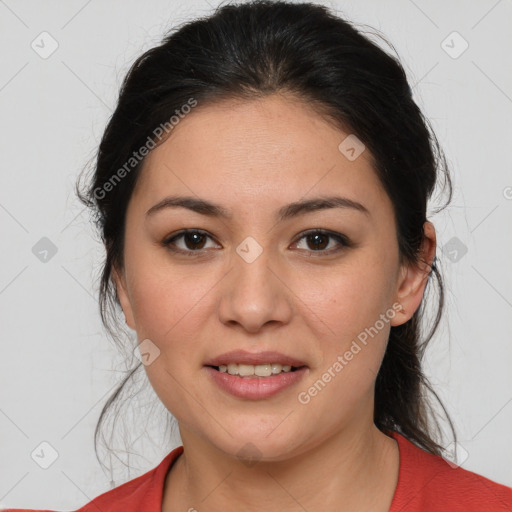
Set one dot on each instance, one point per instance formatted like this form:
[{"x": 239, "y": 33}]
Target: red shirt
[{"x": 426, "y": 483}]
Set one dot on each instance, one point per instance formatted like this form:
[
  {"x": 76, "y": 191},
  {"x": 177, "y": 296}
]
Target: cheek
[
  {"x": 349, "y": 310},
  {"x": 164, "y": 296},
  {"x": 352, "y": 346},
  {"x": 167, "y": 307},
  {"x": 341, "y": 303},
  {"x": 169, "y": 310}
]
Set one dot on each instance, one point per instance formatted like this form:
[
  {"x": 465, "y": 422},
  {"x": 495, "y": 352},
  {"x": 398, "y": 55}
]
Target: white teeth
[
  {"x": 276, "y": 368},
  {"x": 260, "y": 370},
  {"x": 245, "y": 370}
]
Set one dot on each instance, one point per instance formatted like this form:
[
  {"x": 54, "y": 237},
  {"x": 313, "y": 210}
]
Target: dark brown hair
[{"x": 260, "y": 48}]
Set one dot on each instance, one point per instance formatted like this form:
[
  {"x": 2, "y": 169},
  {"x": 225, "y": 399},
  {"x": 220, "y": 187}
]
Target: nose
[{"x": 254, "y": 294}]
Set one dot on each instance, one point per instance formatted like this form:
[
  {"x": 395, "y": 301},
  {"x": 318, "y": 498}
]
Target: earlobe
[
  {"x": 414, "y": 277},
  {"x": 120, "y": 284}
]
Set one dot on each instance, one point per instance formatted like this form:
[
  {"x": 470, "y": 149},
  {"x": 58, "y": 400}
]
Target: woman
[{"x": 261, "y": 190}]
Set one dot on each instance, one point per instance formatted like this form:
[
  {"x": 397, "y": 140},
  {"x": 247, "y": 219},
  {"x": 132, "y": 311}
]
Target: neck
[{"x": 353, "y": 470}]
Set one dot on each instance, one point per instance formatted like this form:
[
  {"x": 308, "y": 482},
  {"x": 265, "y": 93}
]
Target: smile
[{"x": 259, "y": 370}]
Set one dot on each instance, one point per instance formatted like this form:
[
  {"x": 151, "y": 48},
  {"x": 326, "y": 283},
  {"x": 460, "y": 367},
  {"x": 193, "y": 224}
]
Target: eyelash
[{"x": 343, "y": 241}]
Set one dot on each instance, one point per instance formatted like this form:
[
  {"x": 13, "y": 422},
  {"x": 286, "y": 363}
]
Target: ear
[
  {"x": 414, "y": 277},
  {"x": 120, "y": 283}
]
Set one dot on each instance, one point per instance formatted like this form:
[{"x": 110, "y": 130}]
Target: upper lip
[{"x": 254, "y": 358}]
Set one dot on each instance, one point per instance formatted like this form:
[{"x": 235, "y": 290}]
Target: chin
[{"x": 251, "y": 445}]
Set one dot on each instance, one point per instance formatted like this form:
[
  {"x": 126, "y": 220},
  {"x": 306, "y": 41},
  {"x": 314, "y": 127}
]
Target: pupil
[
  {"x": 195, "y": 239},
  {"x": 316, "y": 238}
]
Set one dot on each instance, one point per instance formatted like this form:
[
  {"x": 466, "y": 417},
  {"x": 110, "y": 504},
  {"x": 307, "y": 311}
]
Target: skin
[{"x": 252, "y": 158}]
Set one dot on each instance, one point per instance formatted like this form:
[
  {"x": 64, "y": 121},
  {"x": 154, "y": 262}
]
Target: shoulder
[
  {"x": 428, "y": 482},
  {"x": 142, "y": 494}
]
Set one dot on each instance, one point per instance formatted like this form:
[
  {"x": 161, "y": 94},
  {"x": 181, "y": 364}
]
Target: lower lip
[{"x": 255, "y": 388}]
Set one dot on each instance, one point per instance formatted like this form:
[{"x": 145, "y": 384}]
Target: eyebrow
[{"x": 204, "y": 207}]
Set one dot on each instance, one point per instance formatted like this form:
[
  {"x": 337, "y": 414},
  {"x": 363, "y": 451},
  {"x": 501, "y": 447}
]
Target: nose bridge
[{"x": 252, "y": 295}]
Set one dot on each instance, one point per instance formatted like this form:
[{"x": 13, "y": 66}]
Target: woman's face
[{"x": 261, "y": 278}]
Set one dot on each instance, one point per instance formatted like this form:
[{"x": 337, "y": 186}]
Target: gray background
[{"x": 57, "y": 367}]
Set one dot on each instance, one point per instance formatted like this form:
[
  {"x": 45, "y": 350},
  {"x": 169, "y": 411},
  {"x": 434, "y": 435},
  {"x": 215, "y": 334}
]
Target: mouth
[
  {"x": 255, "y": 387},
  {"x": 256, "y": 371},
  {"x": 255, "y": 376},
  {"x": 242, "y": 358}
]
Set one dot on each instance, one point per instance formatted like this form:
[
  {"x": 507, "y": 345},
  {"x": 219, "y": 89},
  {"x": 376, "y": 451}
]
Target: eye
[
  {"x": 192, "y": 241},
  {"x": 320, "y": 240}
]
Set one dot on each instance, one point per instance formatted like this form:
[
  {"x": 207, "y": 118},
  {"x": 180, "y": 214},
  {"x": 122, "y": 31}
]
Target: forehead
[{"x": 262, "y": 151}]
